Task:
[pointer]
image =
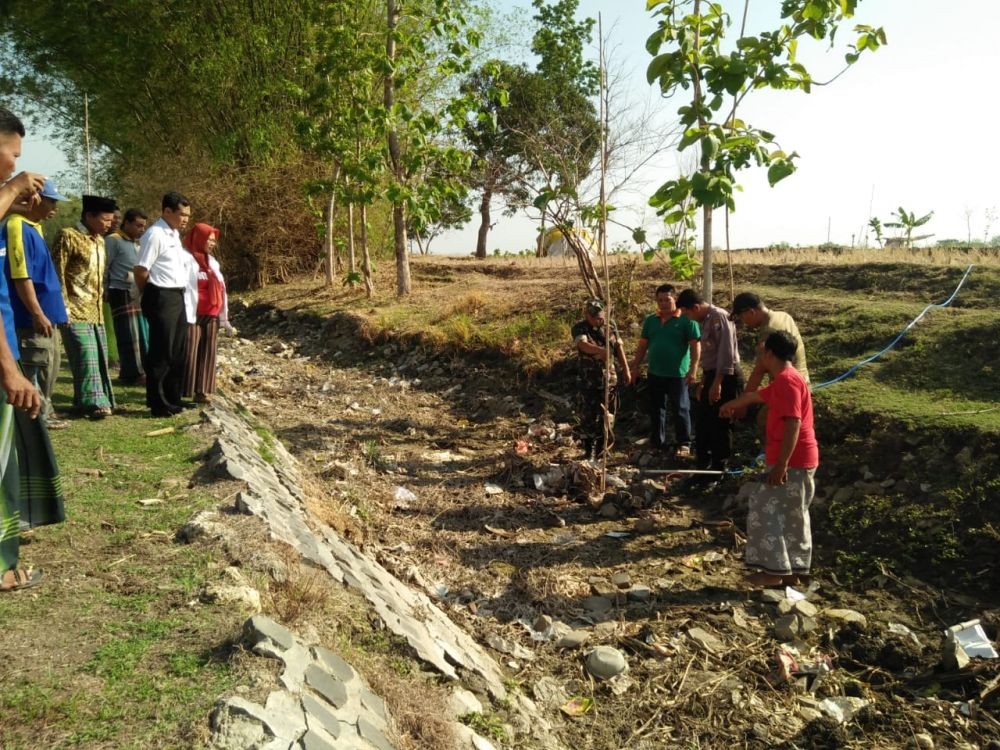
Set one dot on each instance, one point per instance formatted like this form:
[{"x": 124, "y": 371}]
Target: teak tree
[{"x": 692, "y": 51}]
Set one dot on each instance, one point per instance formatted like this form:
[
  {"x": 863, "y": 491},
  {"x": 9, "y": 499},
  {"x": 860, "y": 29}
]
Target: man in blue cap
[{"x": 37, "y": 302}]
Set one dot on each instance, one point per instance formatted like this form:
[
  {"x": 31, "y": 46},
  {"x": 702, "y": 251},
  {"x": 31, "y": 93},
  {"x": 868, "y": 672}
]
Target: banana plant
[{"x": 907, "y": 221}]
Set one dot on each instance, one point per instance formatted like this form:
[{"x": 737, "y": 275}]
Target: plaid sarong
[
  {"x": 87, "y": 352},
  {"x": 131, "y": 332},
  {"x": 40, "y": 486},
  {"x": 10, "y": 511}
]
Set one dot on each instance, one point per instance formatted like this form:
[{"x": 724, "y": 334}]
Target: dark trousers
[
  {"x": 668, "y": 397},
  {"x": 591, "y": 405},
  {"x": 165, "y": 361},
  {"x": 713, "y": 434}
]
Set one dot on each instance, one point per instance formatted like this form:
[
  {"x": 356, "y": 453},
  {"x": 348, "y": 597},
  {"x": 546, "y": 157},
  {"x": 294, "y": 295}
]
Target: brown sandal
[{"x": 16, "y": 579}]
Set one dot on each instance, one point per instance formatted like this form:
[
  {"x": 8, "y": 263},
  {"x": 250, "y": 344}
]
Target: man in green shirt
[{"x": 674, "y": 347}]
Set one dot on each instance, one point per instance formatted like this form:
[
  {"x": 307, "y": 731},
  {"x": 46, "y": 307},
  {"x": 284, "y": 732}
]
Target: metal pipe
[{"x": 701, "y": 472}]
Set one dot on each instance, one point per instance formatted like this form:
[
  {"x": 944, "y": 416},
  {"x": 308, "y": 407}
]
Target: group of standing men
[
  {"x": 688, "y": 333},
  {"x": 51, "y": 300},
  {"x": 59, "y": 300}
]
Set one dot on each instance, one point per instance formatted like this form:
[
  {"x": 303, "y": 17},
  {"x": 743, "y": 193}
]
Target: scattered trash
[
  {"x": 493, "y": 489},
  {"x": 712, "y": 556},
  {"x": 511, "y": 648},
  {"x": 618, "y": 534},
  {"x": 542, "y": 431},
  {"x": 842, "y": 708},
  {"x": 403, "y": 496},
  {"x": 605, "y": 662},
  {"x": 441, "y": 591},
  {"x": 791, "y": 665},
  {"x": 551, "y": 479},
  {"x": 794, "y": 594},
  {"x": 521, "y": 448},
  {"x": 972, "y": 638},
  {"x": 706, "y": 640},
  {"x": 964, "y": 642},
  {"x": 693, "y": 561},
  {"x": 89, "y": 472},
  {"x": 149, "y": 502},
  {"x": 577, "y": 706},
  {"x": 161, "y": 431},
  {"x": 900, "y": 629},
  {"x": 621, "y": 684}
]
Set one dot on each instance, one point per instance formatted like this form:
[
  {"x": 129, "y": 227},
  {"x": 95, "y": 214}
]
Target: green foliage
[
  {"x": 692, "y": 50},
  {"x": 559, "y": 43},
  {"x": 908, "y": 221},
  {"x": 536, "y": 132},
  {"x": 488, "y": 725},
  {"x": 876, "y": 226}
]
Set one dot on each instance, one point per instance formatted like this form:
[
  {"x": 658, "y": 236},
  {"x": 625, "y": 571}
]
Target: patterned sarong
[
  {"x": 10, "y": 512},
  {"x": 131, "y": 332},
  {"x": 40, "y": 486},
  {"x": 87, "y": 352},
  {"x": 202, "y": 345},
  {"x": 779, "y": 535}
]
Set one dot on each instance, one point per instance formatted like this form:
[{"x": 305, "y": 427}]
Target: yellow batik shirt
[{"x": 79, "y": 258}]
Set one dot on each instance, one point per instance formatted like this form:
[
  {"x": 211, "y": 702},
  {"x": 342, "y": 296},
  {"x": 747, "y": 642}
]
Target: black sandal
[{"x": 22, "y": 579}]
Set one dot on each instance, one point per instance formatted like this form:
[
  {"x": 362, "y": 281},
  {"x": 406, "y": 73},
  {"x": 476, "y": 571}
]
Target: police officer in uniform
[{"x": 592, "y": 342}]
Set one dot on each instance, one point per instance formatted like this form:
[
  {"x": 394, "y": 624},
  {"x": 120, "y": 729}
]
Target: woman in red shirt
[
  {"x": 212, "y": 312},
  {"x": 779, "y": 535}
]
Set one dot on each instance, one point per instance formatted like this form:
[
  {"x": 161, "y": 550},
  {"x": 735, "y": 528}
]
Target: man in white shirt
[{"x": 162, "y": 274}]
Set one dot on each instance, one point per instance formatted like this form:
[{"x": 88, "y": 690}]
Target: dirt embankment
[{"x": 897, "y": 526}]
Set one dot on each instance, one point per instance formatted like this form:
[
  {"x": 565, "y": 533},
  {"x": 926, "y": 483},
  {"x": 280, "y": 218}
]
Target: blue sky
[{"x": 911, "y": 125}]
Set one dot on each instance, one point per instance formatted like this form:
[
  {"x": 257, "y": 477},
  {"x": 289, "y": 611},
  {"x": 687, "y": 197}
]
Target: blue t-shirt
[
  {"x": 28, "y": 258},
  {"x": 5, "y": 311}
]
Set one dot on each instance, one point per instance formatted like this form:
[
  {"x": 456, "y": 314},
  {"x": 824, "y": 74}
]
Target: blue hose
[{"x": 898, "y": 338}]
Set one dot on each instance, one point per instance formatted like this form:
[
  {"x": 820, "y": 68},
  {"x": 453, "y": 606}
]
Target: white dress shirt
[{"x": 161, "y": 253}]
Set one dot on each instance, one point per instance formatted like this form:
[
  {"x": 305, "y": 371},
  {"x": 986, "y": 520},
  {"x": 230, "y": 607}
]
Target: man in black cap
[
  {"x": 749, "y": 310},
  {"x": 163, "y": 272},
  {"x": 79, "y": 256},
  {"x": 592, "y": 344}
]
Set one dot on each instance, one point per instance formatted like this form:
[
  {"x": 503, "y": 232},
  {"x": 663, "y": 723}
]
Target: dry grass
[
  {"x": 301, "y": 590},
  {"x": 420, "y": 715},
  {"x": 931, "y": 256}
]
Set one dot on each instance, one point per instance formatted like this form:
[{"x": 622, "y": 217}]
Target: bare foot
[{"x": 768, "y": 580}]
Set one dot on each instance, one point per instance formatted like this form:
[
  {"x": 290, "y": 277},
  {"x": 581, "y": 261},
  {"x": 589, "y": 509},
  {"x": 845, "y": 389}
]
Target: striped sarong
[
  {"x": 40, "y": 487},
  {"x": 87, "y": 352},
  {"x": 10, "y": 509},
  {"x": 131, "y": 332},
  {"x": 202, "y": 342}
]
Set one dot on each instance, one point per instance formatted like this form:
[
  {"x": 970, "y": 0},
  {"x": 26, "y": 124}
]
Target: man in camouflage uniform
[{"x": 589, "y": 336}]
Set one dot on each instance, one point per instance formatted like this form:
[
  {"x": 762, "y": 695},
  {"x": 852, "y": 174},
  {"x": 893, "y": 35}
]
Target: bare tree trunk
[
  {"x": 351, "y": 262},
  {"x": 398, "y": 209},
  {"x": 540, "y": 246},
  {"x": 332, "y": 261},
  {"x": 706, "y": 252},
  {"x": 366, "y": 260},
  {"x": 484, "y": 224},
  {"x": 706, "y": 211}
]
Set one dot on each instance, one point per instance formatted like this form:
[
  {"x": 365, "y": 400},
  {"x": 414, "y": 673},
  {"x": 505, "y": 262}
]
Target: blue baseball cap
[{"x": 49, "y": 191}]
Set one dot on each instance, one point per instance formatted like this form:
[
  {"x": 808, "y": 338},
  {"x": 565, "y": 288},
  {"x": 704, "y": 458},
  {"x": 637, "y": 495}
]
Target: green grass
[{"x": 113, "y": 650}]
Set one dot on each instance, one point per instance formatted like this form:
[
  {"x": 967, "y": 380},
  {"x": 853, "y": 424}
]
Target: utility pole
[{"x": 86, "y": 139}]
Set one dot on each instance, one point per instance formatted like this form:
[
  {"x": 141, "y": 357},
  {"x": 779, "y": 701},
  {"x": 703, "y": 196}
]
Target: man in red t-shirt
[{"x": 779, "y": 538}]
